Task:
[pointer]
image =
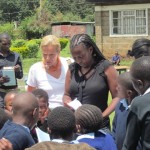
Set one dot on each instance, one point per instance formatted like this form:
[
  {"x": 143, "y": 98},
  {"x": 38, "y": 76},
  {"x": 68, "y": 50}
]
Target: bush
[
  {"x": 23, "y": 51},
  {"x": 33, "y": 49},
  {"x": 7, "y": 28},
  {"x": 27, "y": 49},
  {"x": 19, "y": 43},
  {"x": 63, "y": 42}
]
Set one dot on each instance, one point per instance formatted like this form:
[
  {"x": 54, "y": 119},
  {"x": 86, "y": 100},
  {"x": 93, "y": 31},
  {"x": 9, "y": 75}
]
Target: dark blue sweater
[
  {"x": 119, "y": 123},
  {"x": 99, "y": 140},
  {"x": 18, "y": 135}
]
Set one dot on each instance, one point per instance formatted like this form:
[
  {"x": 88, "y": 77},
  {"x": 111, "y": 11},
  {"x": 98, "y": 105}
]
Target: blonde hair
[{"x": 50, "y": 40}]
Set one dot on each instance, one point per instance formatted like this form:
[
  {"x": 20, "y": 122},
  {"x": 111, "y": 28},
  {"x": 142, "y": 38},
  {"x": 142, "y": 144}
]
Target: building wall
[
  {"x": 70, "y": 30},
  {"x": 109, "y": 44}
]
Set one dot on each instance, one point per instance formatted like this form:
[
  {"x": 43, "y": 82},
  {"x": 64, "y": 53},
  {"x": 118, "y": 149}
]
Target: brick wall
[{"x": 109, "y": 45}]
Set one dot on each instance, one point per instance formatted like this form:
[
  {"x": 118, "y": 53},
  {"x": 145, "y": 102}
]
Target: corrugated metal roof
[
  {"x": 72, "y": 23},
  {"x": 112, "y": 2}
]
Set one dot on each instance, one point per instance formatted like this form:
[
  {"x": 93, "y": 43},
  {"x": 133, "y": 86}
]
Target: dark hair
[
  {"x": 40, "y": 93},
  {"x": 88, "y": 42},
  {"x": 3, "y": 117},
  {"x": 61, "y": 122},
  {"x": 125, "y": 80},
  {"x": 4, "y": 35},
  {"x": 140, "y": 68},
  {"x": 89, "y": 117},
  {"x": 140, "y": 47}
]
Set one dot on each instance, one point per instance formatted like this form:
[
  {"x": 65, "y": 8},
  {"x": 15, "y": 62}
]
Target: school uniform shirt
[
  {"x": 17, "y": 134},
  {"x": 138, "y": 123},
  {"x": 98, "y": 140}
]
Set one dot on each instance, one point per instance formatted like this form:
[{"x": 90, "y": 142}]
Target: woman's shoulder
[{"x": 103, "y": 65}]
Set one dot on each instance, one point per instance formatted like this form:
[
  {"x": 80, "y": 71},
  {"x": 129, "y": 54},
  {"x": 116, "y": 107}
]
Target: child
[
  {"x": 89, "y": 122},
  {"x": 42, "y": 97},
  {"x": 61, "y": 123},
  {"x": 126, "y": 92},
  {"x": 138, "y": 121},
  {"x": 8, "y": 99}
]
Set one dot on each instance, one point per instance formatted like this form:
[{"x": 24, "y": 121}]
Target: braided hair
[
  {"x": 89, "y": 117},
  {"x": 140, "y": 47},
  {"x": 61, "y": 122},
  {"x": 87, "y": 41}
]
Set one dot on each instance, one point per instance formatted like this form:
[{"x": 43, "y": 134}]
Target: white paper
[
  {"x": 42, "y": 136},
  {"x": 75, "y": 104}
]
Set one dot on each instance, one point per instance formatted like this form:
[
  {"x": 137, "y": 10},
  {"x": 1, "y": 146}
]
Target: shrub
[
  {"x": 63, "y": 42},
  {"x": 33, "y": 49},
  {"x": 27, "y": 49},
  {"x": 23, "y": 51},
  {"x": 19, "y": 43}
]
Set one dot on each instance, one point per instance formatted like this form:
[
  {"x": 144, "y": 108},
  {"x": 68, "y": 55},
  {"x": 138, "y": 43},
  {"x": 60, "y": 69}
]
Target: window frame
[{"x": 122, "y": 10}]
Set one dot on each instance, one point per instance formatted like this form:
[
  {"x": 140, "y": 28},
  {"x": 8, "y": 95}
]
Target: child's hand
[
  {"x": 5, "y": 144},
  {"x": 45, "y": 115}
]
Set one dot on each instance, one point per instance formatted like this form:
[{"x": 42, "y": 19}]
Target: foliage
[
  {"x": 23, "y": 51},
  {"x": 35, "y": 26},
  {"x": 8, "y": 28},
  {"x": 33, "y": 49},
  {"x": 18, "y": 43},
  {"x": 17, "y": 10},
  {"x": 63, "y": 42},
  {"x": 27, "y": 49}
]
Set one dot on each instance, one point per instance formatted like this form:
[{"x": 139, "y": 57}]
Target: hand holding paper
[{"x": 75, "y": 104}]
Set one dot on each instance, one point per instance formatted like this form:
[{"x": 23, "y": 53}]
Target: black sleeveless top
[{"x": 93, "y": 90}]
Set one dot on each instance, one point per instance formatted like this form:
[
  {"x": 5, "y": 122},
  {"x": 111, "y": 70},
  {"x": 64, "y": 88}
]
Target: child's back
[
  {"x": 138, "y": 123},
  {"x": 89, "y": 122},
  {"x": 126, "y": 92}
]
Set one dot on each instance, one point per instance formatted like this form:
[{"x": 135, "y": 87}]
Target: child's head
[
  {"x": 61, "y": 123},
  {"x": 140, "y": 74},
  {"x": 8, "y": 99},
  {"x": 125, "y": 87},
  {"x": 88, "y": 118},
  {"x": 42, "y": 97}
]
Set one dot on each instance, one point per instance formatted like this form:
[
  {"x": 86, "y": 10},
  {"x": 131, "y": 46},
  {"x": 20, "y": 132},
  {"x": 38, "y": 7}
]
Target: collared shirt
[
  {"x": 147, "y": 91},
  {"x": 125, "y": 104}
]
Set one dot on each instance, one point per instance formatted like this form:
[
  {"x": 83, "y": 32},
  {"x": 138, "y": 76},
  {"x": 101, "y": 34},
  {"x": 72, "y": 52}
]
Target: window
[{"x": 129, "y": 22}]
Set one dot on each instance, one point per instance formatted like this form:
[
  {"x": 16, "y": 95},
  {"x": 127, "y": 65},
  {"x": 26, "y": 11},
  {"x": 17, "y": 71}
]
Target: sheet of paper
[
  {"x": 9, "y": 71},
  {"x": 42, "y": 136},
  {"x": 75, "y": 104}
]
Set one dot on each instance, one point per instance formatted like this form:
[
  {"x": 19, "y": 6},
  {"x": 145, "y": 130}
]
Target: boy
[
  {"x": 126, "y": 92},
  {"x": 61, "y": 123},
  {"x": 8, "y": 99},
  {"x": 89, "y": 122},
  {"x": 138, "y": 122},
  {"x": 42, "y": 98}
]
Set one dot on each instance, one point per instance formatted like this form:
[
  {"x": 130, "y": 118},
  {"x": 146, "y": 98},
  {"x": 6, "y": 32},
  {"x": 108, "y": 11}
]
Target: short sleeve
[{"x": 31, "y": 80}]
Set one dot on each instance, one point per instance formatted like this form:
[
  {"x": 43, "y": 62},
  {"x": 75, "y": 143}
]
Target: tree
[{"x": 16, "y": 10}]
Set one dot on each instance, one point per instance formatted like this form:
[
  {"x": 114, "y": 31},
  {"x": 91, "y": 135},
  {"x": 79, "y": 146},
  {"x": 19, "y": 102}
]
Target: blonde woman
[{"x": 49, "y": 74}]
